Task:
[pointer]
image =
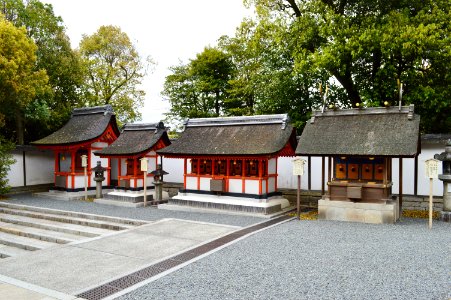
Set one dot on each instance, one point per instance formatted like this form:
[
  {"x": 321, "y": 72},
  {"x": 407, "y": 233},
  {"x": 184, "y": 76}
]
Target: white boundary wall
[{"x": 39, "y": 168}]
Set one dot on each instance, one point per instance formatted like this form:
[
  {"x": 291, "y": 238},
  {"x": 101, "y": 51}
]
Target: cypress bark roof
[
  {"x": 136, "y": 139},
  {"x": 369, "y": 131},
  {"x": 254, "y": 135},
  {"x": 85, "y": 124}
]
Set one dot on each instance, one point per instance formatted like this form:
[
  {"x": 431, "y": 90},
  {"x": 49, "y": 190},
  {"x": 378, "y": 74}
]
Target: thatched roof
[
  {"x": 254, "y": 135},
  {"x": 137, "y": 139},
  {"x": 368, "y": 131},
  {"x": 84, "y": 125}
]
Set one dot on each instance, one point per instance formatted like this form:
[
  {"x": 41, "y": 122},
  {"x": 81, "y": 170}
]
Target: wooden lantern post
[
  {"x": 298, "y": 170},
  {"x": 144, "y": 170},
  {"x": 431, "y": 173},
  {"x": 84, "y": 164}
]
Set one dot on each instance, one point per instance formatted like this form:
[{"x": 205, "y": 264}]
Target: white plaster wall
[
  {"x": 235, "y": 185},
  {"x": 272, "y": 166},
  {"x": 43, "y": 163},
  {"x": 15, "y": 174},
  {"x": 191, "y": 183},
  {"x": 271, "y": 184},
  {"x": 285, "y": 171},
  {"x": 263, "y": 186},
  {"x": 251, "y": 187},
  {"x": 39, "y": 168},
  {"x": 174, "y": 166},
  {"x": 79, "y": 182},
  {"x": 123, "y": 167},
  {"x": 205, "y": 184}
]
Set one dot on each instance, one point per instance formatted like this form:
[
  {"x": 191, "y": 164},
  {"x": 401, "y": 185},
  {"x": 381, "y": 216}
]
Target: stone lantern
[
  {"x": 98, "y": 178},
  {"x": 445, "y": 157},
  {"x": 158, "y": 182}
]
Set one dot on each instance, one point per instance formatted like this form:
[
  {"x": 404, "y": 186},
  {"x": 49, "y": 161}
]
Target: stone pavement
[{"x": 70, "y": 269}]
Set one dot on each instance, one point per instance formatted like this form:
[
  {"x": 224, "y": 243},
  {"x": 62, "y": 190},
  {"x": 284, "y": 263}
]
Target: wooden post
[
  {"x": 323, "y": 166},
  {"x": 145, "y": 188},
  {"x": 415, "y": 182},
  {"x": 400, "y": 187},
  {"x": 309, "y": 170},
  {"x": 298, "y": 198},
  {"x": 329, "y": 171},
  {"x": 430, "y": 202}
]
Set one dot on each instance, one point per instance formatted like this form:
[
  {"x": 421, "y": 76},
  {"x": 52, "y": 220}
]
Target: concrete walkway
[{"x": 73, "y": 268}]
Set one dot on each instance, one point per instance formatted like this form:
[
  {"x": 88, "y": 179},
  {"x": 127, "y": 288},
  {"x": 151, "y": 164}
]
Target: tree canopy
[
  {"x": 296, "y": 56},
  {"x": 19, "y": 81},
  {"x": 366, "y": 47},
  {"x": 199, "y": 88},
  {"x": 113, "y": 72},
  {"x": 49, "y": 110}
]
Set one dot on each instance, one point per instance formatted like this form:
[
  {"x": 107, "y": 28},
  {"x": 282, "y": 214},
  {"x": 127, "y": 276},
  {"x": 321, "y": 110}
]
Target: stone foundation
[
  {"x": 421, "y": 203},
  {"x": 375, "y": 213}
]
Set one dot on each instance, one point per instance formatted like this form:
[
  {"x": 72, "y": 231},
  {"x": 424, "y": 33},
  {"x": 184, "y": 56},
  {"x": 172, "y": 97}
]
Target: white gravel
[
  {"x": 319, "y": 260},
  {"x": 300, "y": 259}
]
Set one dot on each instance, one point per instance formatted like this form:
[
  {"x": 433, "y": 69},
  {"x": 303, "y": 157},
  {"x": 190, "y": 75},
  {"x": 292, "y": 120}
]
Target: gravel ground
[
  {"x": 142, "y": 213},
  {"x": 319, "y": 260}
]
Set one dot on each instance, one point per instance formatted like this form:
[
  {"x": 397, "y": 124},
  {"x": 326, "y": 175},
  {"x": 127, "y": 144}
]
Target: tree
[
  {"x": 366, "y": 46},
  {"x": 114, "y": 71},
  {"x": 199, "y": 88},
  {"x": 50, "y": 110},
  {"x": 6, "y": 160},
  {"x": 19, "y": 81}
]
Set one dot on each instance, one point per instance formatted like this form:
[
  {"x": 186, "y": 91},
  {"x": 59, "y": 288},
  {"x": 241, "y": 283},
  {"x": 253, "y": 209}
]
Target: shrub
[{"x": 6, "y": 160}]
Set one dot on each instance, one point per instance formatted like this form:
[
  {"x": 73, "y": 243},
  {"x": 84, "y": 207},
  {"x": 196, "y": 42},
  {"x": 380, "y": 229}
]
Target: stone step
[
  {"x": 39, "y": 234},
  {"x": 9, "y": 251},
  {"x": 73, "y": 214},
  {"x": 65, "y": 219},
  {"x": 23, "y": 242},
  {"x": 54, "y": 226}
]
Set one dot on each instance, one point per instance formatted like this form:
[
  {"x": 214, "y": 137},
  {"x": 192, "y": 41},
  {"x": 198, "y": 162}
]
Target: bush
[{"x": 6, "y": 160}]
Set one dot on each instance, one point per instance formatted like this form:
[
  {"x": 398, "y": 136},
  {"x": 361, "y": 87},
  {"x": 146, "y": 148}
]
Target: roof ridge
[
  {"x": 407, "y": 110},
  {"x": 143, "y": 126},
  {"x": 282, "y": 119},
  {"x": 105, "y": 109}
]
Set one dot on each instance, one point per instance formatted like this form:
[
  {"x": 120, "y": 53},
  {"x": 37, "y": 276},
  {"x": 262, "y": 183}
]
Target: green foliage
[
  {"x": 19, "y": 81},
  {"x": 199, "y": 88},
  {"x": 114, "y": 71},
  {"x": 51, "y": 108},
  {"x": 6, "y": 160},
  {"x": 362, "y": 48}
]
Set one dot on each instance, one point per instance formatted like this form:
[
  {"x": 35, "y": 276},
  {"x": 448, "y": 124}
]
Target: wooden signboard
[{"x": 298, "y": 166}]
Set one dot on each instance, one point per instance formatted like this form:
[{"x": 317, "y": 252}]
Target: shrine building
[
  {"x": 89, "y": 129},
  {"x": 136, "y": 141},
  {"x": 360, "y": 145},
  {"x": 231, "y": 162}
]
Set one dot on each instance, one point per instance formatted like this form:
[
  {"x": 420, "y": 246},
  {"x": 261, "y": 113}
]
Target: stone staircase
[{"x": 25, "y": 228}]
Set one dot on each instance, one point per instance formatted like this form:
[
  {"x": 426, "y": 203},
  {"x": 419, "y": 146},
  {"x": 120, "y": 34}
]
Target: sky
[{"x": 168, "y": 31}]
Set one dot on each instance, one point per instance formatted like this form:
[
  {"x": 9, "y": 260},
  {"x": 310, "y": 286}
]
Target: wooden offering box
[{"x": 361, "y": 179}]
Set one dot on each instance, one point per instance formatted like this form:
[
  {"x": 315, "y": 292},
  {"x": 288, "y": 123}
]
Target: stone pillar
[
  {"x": 445, "y": 157},
  {"x": 158, "y": 191}
]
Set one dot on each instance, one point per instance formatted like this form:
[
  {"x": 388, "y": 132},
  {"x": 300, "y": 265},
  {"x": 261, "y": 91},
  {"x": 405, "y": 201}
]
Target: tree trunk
[{"x": 20, "y": 127}]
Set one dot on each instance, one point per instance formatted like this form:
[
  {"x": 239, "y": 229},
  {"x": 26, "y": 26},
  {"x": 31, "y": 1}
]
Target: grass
[
  {"x": 310, "y": 215},
  {"x": 420, "y": 214}
]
